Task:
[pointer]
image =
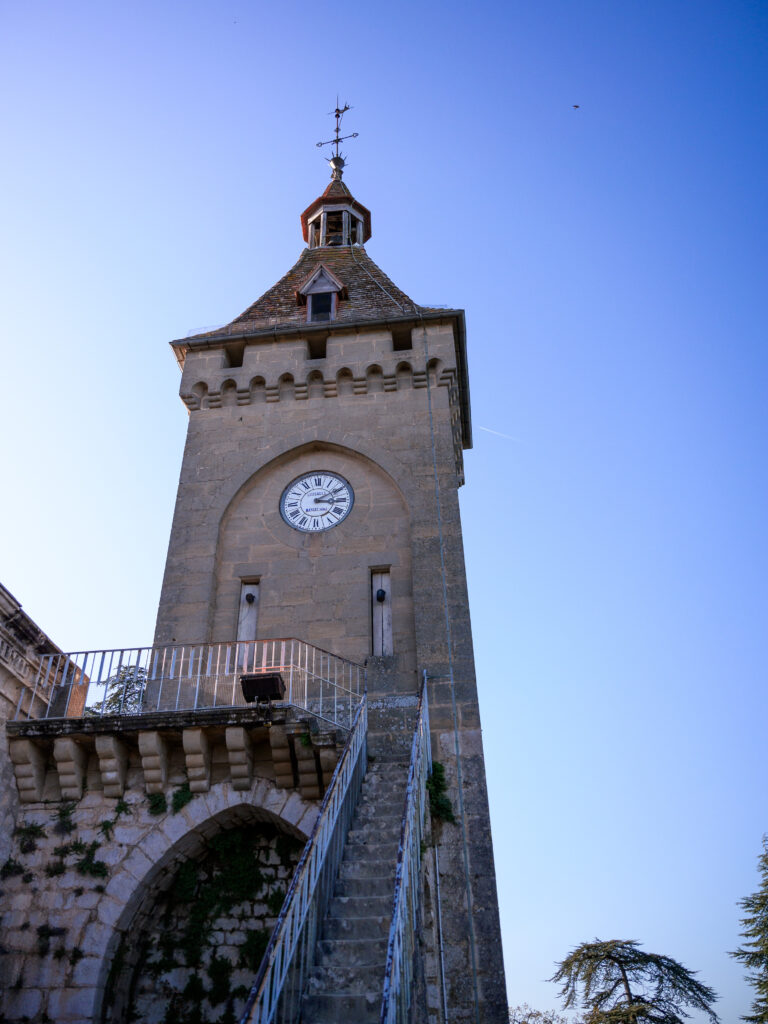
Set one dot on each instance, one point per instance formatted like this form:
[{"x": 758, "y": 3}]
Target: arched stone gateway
[{"x": 84, "y": 900}]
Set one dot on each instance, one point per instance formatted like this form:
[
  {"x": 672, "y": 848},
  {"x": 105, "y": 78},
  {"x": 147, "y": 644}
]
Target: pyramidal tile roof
[{"x": 369, "y": 293}]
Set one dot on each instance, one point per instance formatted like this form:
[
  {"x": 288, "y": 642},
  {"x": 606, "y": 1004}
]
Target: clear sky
[{"x": 612, "y": 263}]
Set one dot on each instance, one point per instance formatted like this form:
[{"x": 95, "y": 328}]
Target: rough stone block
[
  {"x": 197, "y": 752},
  {"x": 29, "y": 764},
  {"x": 154, "y": 761},
  {"x": 240, "y": 753},
  {"x": 113, "y": 764},
  {"x": 71, "y": 764}
]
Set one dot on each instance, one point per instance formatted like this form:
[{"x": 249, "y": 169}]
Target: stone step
[
  {"x": 359, "y": 906},
  {"x": 385, "y": 852},
  {"x": 367, "y": 868},
  {"x": 387, "y": 829},
  {"x": 356, "y": 927},
  {"x": 347, "y": 979},
  {"x": 381, "y": 808},
  {"x": 369, "y": 814},
  {"x": 383, "y": 885},
  {"x": 331, "y": 1009},
  {"x": 354, "y": 980},
  {"x": 353, "y": 952}
]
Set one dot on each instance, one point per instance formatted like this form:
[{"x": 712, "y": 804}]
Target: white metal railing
[
  {"x": 190, "y": 677},
  {"x": 396, "y": 997},
  {"x": 277, "y": 991}
]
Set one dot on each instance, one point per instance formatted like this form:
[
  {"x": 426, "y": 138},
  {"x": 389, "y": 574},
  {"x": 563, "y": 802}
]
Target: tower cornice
[{"x": 234, "y": 334}]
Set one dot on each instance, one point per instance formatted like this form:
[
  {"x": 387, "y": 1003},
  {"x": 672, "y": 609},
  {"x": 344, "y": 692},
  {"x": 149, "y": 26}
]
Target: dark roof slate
[{"x": 371, "y": 294}]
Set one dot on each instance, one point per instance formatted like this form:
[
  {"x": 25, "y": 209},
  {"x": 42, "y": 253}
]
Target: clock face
[{"x": 316, "y": 501}]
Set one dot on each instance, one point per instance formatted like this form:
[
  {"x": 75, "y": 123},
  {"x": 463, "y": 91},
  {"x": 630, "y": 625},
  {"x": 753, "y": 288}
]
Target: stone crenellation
[{"x": 214, "y": 394}]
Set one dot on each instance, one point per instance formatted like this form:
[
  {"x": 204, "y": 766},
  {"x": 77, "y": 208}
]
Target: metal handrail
[
  {"x": 190, "y": 677},
  {"x": 280, "y": 983},
  {"x": 396, "y": 996}
]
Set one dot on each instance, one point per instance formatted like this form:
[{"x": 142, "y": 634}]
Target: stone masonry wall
[
  {"x": 379, "y": 412},
  {"x": 203, "y": 941},
  {"x": 85, "y": 879}
]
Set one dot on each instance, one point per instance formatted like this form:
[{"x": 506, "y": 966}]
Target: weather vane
[{"x": 337, "y": 160}]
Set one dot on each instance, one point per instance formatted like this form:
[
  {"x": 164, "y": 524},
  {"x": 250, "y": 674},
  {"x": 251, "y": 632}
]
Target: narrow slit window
[{"x": 381, "y": 613}]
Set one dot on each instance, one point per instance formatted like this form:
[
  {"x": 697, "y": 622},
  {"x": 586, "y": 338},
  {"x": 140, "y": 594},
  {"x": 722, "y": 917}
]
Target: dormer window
[
  {"x": 322, "y": 293},
  {"x": 321, "y": 306}
]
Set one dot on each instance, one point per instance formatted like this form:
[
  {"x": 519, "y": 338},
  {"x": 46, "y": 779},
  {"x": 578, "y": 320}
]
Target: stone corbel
[
  {"x": 29, "y": 766},
  {"x": 154, "y": 761},
  {"x": 240, "y": 752},
  {"x": 327, "y": 755},
  {"x": 281, "y": 756},
  {"x": 71, "y": 764},
  {"x": 113, "y": 764},
  {"x": 197, "y": 751},
  {"x": 305, "y": 759}
]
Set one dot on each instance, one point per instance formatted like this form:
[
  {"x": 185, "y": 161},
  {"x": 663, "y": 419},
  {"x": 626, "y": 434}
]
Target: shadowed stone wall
[
  {"x": 84, "y": 879},
  {"x": 200, "y": 946}
]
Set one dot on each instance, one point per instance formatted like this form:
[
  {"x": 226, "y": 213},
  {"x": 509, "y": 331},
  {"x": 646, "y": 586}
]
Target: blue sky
[{"x": 611, "y": 260}]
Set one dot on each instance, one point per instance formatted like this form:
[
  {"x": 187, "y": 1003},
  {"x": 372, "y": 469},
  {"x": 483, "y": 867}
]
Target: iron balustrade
[
  {"x": 396, "y": 997},
  {"x": 190, "y": 677},
  {"x": 284, "y": 972}
]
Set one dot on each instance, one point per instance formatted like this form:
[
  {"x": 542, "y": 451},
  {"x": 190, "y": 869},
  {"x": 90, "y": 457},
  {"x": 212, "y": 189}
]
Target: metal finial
[{"x": 337, "y": 160}]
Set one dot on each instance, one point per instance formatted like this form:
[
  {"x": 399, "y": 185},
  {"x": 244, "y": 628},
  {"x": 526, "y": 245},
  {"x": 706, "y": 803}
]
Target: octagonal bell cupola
[{"x": 336, "y": 218}]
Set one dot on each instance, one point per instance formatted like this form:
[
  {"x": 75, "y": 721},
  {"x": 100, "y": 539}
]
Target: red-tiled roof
[
  {"x": 336, "y": 192},
  {"x": 371, "y": 294}
]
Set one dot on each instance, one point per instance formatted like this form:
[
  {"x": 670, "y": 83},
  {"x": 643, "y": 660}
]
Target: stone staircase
[{"x": 347, "y": 980}]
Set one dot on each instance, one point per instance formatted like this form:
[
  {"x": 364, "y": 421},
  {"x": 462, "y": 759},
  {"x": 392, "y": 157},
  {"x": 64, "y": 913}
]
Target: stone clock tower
[{"x": 318, "y": 499}]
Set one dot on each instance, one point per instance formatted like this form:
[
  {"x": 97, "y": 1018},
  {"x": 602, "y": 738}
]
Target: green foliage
[
  {"x": 618, "y": 983},
  {"x": 525, "y": 1015},
  {"x": 11, "y": 868},
  {"x": 275, "y": 900},
  {"x": 305, "y": 739},
  {"x": 44, "y": 935},
  {"x": 287, "y": 849},
  {"x": 753, "y": 953},
  {"x": 185, "y": 882},
  {"x": 253, "y": 949},
  {"x": 219, "y": 971},
  {"x": 124, "y": 693},
  {"x": 157, "y": 803},
  {"x": 439, "y": 804},
  {"x": 106, "y": 828},
  {"x": 54, "y": 868},
  {"x": 88, "y": 865},
  {"x": 64, "y": 824},
  {"x": 121, "y": 807},
  {"x": 181, "y": 798},
  {"x": 28, "y": 834}
]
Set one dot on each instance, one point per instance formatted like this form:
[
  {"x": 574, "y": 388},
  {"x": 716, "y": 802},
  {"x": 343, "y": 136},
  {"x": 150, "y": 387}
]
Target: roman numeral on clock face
[{"x": 316, "y": 501}]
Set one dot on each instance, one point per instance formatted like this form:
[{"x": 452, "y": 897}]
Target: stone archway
[{"x": 236, "y": 865}]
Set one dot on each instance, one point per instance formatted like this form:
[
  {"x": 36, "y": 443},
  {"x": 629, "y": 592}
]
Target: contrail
[{"x": 498, "y": 433}]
